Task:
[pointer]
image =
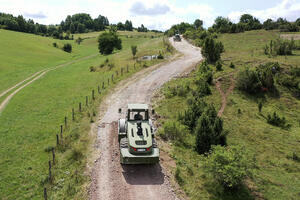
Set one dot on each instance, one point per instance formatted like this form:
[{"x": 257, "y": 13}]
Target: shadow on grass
[{"x": 217, "y": 191}]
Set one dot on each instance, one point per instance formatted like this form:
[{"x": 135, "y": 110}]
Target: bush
[
  {"x": 67, "y": 48},
  {"x": 204, "y": 73},
  {"x": 133, "y": 50},
  {"x": 231, "y": 65},
  {"x": 219, "y": 66},
  {"x": 191, "y": 115},
  {"x": 230, "y": 166},
  {"x": 160, "y": 56},
  {"x": 248, "y": 81},
  {"x": 92, "y": 69},
  {"x": 277, "y": 121},
  {"x": 109, "y": 41},
  {"x": 212, "y": 50},
  {"x": 202, "y": 89},
  {"x": 209, "y": 130},
  {"x": 279, "y": 47},
  {"x": 173, "y": 130}
]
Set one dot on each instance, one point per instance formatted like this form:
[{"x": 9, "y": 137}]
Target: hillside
[
  {"x": 32, "y": 118},
  {"x": 276, "y": 149}
]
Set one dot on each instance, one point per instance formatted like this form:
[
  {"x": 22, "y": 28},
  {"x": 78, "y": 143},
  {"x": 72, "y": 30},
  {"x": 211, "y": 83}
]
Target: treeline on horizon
[
  {"x": 247, "y": 22},
  {"x": 77, "y": 23}
]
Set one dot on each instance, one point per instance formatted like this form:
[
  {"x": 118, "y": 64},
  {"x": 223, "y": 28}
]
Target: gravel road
[{"x": 111, "y": 180}]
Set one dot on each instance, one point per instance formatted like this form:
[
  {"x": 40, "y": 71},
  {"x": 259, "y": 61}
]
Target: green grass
[
  {"x": 31, "y": 120},
  {"x": 277, "y": 175}
]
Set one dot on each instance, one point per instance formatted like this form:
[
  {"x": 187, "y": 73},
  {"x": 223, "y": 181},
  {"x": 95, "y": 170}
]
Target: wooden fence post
[
  {"x": 61, "y": 131},
  {"x": 93, "y": 94},
  {"x": 66, "y": 122},
  {"x": 108, "y": 81},
  {"x": 73, "y": 114},
  {"x": 50, "y": 173},
  {"x": 53, "y": 156},
  {"x": 57, "y": 140},
  {"x": 45, "y": 194},
  {"x": 102, "y": 85},
  {"x": 86, "y": 100}
]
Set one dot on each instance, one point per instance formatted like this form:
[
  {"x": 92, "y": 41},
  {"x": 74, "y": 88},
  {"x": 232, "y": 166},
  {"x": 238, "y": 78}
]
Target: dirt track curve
[
  {"x": 33, "y": 78},
  {"x": 112, "y": 181}
]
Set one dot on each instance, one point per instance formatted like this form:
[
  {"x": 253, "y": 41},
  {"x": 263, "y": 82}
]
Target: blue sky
[{"x": 155, "y": 14}]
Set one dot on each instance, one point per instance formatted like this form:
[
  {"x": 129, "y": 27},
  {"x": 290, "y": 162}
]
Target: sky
[{"x": 154, "y": 14}]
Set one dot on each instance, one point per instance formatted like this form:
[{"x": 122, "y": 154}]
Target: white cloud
[{"x": 289, "y": 9}]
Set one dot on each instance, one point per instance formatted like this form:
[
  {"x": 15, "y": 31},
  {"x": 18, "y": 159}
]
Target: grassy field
[
  {"x": 277, "y": 175},
  {"x": 31, "y": 120}
]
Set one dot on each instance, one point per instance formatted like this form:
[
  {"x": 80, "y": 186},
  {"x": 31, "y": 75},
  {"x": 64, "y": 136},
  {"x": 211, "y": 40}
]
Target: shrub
[
  {"x": 279, "y": 47},
  {"x": 92, "y": 69},
  {"x": 209, "y": 130},
  {"x": 212, "y": 50},
  {"x": 219, "y": 66},
  {"x": 276, "y": 120},
  {"x": 173, "y": 130},
  {"x": 260, "y": 105},
  {"x": 109, "y": 41},
  {"x": 230, "y": 166},
  {"x": 202, "y": 89},
  {"x": 231, "y": 65},
  {"x": 76, "y": 155},
  {"x": 248, "y": 81},
  {"x": 67, "y": 48},
  {"x": 193, "y": 112},
  {"x": 178, "y": 177},
  {"x": 204, "y": 73},
  {"x": 160, "y": 56},
  {"x": 79, "y": 40},
  {"x": 133, "y": 50}
]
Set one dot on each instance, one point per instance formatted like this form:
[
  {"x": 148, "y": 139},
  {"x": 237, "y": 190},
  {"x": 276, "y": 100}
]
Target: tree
[
  {"x": 198, "y": 24},
  {"x": 133, "y": 50},
  {"x": 209, "y": 130},
  {"x": 248, "y": 81},
  {"x": 212, "y": 50},
  {"x": 230, "y": 166},
  {"x": 109, "y": 41},
  {"x": 128, "y": 25},
  {"x": 120, "y": 26},
  {"x": 142, "y": 28},
  {"x": 67, "y": 48},
  {"x": 80, "y": 28}
]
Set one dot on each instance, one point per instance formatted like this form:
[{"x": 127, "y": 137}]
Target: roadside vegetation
[
  {"x": 31, "y": 120},
  {"x": 250, "y": 150}
]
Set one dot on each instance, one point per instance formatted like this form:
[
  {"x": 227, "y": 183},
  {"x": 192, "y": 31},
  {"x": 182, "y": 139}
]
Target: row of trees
[
  {"x": 77, "y": 23},
  {"x": 247, "y": 22},
  {"x": 82, "y": 22}
]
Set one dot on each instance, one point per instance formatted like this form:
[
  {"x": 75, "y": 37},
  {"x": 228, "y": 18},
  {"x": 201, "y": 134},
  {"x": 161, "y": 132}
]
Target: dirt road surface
[{"x": 112, "y": 181}]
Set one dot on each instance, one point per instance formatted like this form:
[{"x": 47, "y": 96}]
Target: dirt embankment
[{"x": 110, "y": 180}]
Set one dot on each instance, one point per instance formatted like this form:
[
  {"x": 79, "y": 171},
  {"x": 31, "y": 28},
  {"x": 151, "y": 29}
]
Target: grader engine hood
[{"x": 139, "y": 136}]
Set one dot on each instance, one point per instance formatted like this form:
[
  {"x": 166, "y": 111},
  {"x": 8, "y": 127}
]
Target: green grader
[{"x": 136, "y": 137}]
